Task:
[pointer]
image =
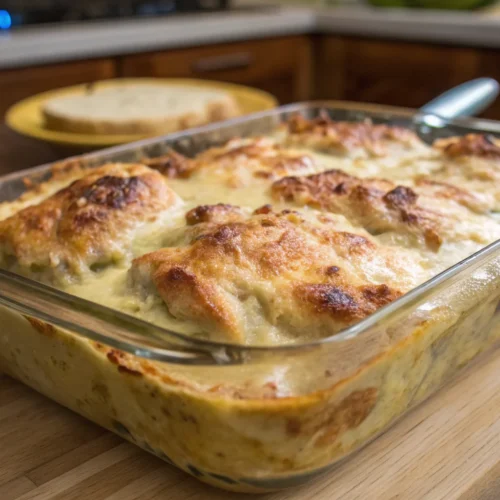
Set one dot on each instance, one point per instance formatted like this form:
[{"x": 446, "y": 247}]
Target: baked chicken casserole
[{"x": 260, "y": 241}]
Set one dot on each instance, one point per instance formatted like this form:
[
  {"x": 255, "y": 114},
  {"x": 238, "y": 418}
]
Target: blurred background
[
  {"x": 401, "y": 56},
  {"x": 396, "y": 52}
]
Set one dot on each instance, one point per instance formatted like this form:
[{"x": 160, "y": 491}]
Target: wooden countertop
[{"x": 446, "y": 449}]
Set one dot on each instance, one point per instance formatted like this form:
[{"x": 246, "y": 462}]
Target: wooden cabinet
[
  {"x": 293, "y": 68},
  {"x": 16, "y": 84},
  {"x": 397, "y": 73},
  {"x": 489, "y": 65},
  {"x": 281, "y": 66},
  {"x": 394, "y": 73}
]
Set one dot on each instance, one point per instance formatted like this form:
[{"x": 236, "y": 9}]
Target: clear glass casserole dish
[{"x": 285, "y": 413}]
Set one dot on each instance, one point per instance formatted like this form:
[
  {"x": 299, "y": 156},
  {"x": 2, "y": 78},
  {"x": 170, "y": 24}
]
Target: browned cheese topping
[
  {"x": 236, "y": 163},
  {"x": 347, "y": 137},
  {"x": 171, "y": 165},
  {"x": 376, "y": 204},
  {"x": 479, "y": 145},
  {"x": 286, "y": 270},
  {"x": 87, "y": 223},
  {"x": 471, "y": 162},
  {"x": 261, "y": 240}
]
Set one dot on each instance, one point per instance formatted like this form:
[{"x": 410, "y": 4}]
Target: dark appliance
[{"x": 18, "y": 13}]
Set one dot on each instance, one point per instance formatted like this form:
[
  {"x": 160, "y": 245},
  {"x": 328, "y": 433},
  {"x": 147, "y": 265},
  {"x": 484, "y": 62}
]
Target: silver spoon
[{"x": 468, "y": 99}]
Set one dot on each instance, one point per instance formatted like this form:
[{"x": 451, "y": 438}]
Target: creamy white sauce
[{"x": 110, "y": 286}]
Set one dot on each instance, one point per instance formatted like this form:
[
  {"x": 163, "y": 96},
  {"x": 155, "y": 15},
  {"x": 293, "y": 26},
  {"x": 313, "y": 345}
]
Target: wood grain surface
[
  {"x": 446, "y": 449},
  {"x": 281, "y": 66}
]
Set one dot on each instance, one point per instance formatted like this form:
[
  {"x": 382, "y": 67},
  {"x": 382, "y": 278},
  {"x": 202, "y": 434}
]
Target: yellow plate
[{"x": 26, "y": 117}]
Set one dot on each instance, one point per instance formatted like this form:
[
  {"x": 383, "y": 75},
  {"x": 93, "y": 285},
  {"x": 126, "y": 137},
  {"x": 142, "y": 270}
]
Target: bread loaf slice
[{"x": 138, "y": 108}]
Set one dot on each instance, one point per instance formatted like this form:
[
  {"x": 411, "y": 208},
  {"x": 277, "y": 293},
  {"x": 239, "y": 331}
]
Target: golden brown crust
[
  {"x": 449, "y": 191},
  {"x": 471, "y": 162},
  {"x": 376, "y": 204},
  {"x": 87, "y": 223},
  {"x": 480, "y": 145},
  {"x": 41, "y": 327},
  {"x": 346, "y": 137},
  {"x": 346, "y": 304},
  {"x": 222, "y": 212},
  {"x": 60, "y": 175},
  {"x": 291, "y": 271},
  {"x": 236, "y": 163},
  {"x": 172, "y": 165},
  {"x": 240, "y": 161}
]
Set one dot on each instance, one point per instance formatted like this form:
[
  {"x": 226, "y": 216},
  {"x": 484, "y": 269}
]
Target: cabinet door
[
  {"x": 16, "y": 84},
  {"x": 281, "y": 66},
  {"x": 490, "y": 66},
  {"x": 394, "y": 73}
]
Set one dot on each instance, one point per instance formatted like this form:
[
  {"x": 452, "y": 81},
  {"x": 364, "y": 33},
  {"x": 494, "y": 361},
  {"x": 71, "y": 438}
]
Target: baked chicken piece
[
  {"x": 237, "y": 163},
  {"x": 471, "y": 162},
  {"x": 362, "y": 139},
  {"x": 426, "y": 215},
  {"x": 87, "y": 224},
  {"x": 283, "y": 275}
]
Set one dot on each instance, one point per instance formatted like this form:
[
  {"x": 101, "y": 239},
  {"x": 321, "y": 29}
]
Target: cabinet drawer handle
[{"x": 239, "y": 60}]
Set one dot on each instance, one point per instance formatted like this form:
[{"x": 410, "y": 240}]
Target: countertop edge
[
  {"x": 453, "y": 28},
  {"x": 37, "y": 46}
]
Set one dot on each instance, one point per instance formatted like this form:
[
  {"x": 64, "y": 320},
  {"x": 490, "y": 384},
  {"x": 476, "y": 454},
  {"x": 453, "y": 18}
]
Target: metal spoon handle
[{"x": 467, "y": 99}]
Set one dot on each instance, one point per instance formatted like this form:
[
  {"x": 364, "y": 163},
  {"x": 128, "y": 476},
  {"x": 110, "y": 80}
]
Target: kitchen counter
[
  {"x": 480, "y": 28},
  {"x": 40, "y": 45}
]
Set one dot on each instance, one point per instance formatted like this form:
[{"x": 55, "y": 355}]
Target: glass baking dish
[{"x": 246, "y": 418}]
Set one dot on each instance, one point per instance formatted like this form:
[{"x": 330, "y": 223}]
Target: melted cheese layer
[{"x": 352, "y": 243}]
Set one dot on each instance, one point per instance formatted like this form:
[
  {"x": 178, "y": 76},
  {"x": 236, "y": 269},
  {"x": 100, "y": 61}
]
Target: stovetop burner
[{"x": 19, "y": 13}]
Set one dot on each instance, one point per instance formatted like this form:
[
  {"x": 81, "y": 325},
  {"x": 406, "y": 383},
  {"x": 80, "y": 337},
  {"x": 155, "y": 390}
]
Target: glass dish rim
[{"x": 202, "y": 351}]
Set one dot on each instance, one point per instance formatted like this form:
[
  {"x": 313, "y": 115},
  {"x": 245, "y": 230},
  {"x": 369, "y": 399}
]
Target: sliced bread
[{"x": 138, "y": 108}]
